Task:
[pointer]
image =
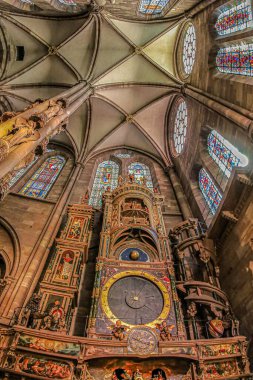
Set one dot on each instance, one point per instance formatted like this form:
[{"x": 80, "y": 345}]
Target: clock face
[
  {"x": 135, "y": 300},
  {"x": 142, "y": 341}
]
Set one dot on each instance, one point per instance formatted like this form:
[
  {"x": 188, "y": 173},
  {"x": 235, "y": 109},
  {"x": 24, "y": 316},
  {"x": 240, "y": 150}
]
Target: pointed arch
[
  {"x": 106, "y": 177},
  {"x": 226, "y": 155},
  {"x": 39, "y": 185}
]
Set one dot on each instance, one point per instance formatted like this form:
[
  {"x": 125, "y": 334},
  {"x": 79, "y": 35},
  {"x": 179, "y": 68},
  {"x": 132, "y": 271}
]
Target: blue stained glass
[
  {"x": 106, "y": 177},
  {"x": 20, "y": 172},
  {"x": 210, "y": 192},
  {"x": 234, "y": 18},
  {"x": 43, "y": 179},
  {"x": 139, "y": 171},
  {"x": 152, "y": 7},
  {"x": 236, "y": 59},
  {"x": 224, "y": 153}
]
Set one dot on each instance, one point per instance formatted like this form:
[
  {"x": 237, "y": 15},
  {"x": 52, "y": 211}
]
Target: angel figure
[
  {"x": 119, "y": 330},
  {"x": 165, "y": 330}
]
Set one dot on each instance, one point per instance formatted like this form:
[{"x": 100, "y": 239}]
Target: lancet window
[
  {"x": 189, "y": 49},
  {"x": 141, "y": 171},
  {"x": 180, "y": 127},
  {"x": 43, "y": 179},
  {"x": 209, "y": 190},
  {"x": 226, "y": 155},
  {"x": 152, "y": 7},
  {"x": 234, "y": 18},
  {"x": 236, "y": 59},
  {"x": 21, "y": 172},
  {"x": 106, "y": 177}
]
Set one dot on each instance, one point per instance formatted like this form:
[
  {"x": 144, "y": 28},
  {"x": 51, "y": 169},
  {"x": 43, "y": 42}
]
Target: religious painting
[
  {"x": 48, "y": 345},
  {"x": 55, "y": 319},
  {"x": 75, "y": 228},
  {"x": 65, "y": 267},
  {"x": 43, "y": 367},
  {"x": 220, "y": 349},
  {"x": 149, "y": 369},
  {"x": 221, "y": 369}
]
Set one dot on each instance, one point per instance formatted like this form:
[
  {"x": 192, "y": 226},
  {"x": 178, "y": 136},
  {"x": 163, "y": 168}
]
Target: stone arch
[{"x": 9, "y": 247}]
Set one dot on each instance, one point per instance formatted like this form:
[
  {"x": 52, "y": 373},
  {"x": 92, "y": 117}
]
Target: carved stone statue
[
  {"x": 23, "y": 131},
  {"x": 55, "y": 108}
]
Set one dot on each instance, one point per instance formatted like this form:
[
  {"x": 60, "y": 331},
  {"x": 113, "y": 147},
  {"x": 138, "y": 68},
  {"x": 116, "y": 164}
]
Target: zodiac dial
[{"x": 142, "y": 341}]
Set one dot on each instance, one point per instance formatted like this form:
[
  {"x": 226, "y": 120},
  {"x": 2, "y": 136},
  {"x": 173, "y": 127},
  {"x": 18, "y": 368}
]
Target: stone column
[{"x": 179, "y": 192}]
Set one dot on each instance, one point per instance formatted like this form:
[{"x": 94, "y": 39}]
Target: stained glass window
[
  {"x": 106, "y": 176},
  {"x": 180, "y": 128},
  {"x": 209, "y": 190},
  {"x": 140, "y": 171},
  {"x": 189, "y": 49},
  {"x": 43, "y": 179},
  {"x": 122, "y": 155},
  {"x": 152, "y": 7},
  {"x": 237, "y": 59},
  {"x": 224, "y": 153},
  {"x": 22, "y": 171},
  {"x": 234, "y": 18}
]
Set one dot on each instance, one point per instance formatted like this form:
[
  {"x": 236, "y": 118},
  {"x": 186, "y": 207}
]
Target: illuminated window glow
[
  {"x": 189, "y": 49},
  {"x": 22, "y": 171},
  {"x": 139, "y": 171},
  {"x": 210, "y": 192},
  {"x": 44, "y": 178},
  {"x": 180, "y": 128},
  {"x": 152, "y": 7},
  {"x": 234, "y": 18},
  {"x": 106, "y": 177},
  {"x": 237, "y": 59},
  {"x": 224, "y": 153}
]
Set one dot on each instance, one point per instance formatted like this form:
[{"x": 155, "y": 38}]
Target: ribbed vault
[{"x": 129, "y": 64}]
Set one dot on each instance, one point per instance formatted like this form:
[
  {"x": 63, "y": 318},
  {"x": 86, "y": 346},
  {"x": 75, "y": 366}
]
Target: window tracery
[
  {"x": 226, "y": 155},
  {"x": 180, "y": 127},
  {"x": 209, "y": 190},
  {"x": 106, "y": 177},
  {"x": 43, "y": 179},
  {"x": 234, "y": 18},
  {"x": 189, "y": 49},
  {"x": 140, "y": 171},
  {"x": 152, "y": 7},
  {"x": 236, "y": 59}
]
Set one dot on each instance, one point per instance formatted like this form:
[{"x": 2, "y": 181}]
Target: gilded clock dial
[
  {"x": 142, "y": 341},
  {"x": 135, "y": 300}
]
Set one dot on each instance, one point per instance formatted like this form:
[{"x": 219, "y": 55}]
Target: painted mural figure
[
  {"x": 55, "y": 320},
  {"x": 137, "y": 375},
  {"x": 75, "y": 229},
  {"x": 65, "y": 266}
]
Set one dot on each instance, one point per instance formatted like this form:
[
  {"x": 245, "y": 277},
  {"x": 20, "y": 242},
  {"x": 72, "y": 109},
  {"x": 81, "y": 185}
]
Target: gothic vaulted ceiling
[{"x": 129, "y": 63}]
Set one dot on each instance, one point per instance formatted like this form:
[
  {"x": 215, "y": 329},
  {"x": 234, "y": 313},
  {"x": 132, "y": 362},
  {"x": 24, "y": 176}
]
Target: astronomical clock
[{"x": 134, "y": 293}]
